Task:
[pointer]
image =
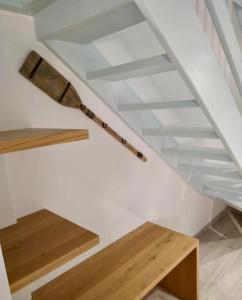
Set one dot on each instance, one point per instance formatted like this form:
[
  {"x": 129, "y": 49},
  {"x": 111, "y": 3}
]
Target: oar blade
[{"x": 50, "y": 81}]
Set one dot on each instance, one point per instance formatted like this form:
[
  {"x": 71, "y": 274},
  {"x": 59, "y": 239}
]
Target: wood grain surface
[
  {"x": 22, "y": 139},
  {"x": 39, "y": 243},
  {"x": 126, "y": 270}
]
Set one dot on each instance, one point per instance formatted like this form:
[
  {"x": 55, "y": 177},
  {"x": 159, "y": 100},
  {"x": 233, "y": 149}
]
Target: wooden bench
[{"x": 131, "y": 267}]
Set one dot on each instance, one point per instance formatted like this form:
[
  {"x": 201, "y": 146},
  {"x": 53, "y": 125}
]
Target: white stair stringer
[
  {"x": 184, "y": 49},
  {"x": 224, "y": 16},
  {"x": 198, "y": 66},
  {"x": 229, "y": 198}
]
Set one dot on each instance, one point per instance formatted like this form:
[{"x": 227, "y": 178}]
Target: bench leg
[{"x": 182, "y": 281}]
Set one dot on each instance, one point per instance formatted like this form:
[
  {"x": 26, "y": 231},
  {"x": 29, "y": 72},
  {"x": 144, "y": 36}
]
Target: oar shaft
[{"x": 113, "y": 133}]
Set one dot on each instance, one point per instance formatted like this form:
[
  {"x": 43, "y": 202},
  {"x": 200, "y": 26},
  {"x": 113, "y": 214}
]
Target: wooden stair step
[
  {"x": 22, "y": 139},
  {"x": 127, "y": 269},
  {"x": 40, "y": 242}
]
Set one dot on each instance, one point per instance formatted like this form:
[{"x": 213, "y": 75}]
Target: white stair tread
[
  {"x": 205, "y": 153},
  {"x": 143, "y": 67},
  {"x": 180, "y": 104},
  {"x": 193, "y": 132}
]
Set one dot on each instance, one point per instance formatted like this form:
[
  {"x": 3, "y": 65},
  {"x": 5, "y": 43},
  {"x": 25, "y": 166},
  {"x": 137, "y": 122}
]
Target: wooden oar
[{"x": 50, "y": 81}]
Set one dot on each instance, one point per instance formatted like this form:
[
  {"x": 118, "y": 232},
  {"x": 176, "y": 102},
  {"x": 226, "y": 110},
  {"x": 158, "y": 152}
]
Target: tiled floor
[
  {"x": 158, "y": 294},
  {"x": 220, "y": 263}
]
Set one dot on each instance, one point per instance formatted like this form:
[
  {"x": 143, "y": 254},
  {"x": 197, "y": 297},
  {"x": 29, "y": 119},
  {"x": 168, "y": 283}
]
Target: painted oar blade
[
  {"x": 50, "y": 81},
  {"x": 71, "y": 98},
  {"x": 29, "y": 64}
]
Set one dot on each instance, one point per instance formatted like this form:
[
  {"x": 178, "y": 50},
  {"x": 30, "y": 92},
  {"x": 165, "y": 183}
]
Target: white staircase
[{"x": 151, "y": 62}]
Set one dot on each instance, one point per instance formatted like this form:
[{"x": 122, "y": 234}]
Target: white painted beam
[
  {"x": 35, "y": 5},
  {"x": 238, "y": 184},
  {"x": 234, "y": 9},
  {"x": 218, "y": 180},
  {"x": 208, "y": 165},
  {"x": 223, "y": 194},
  {"x": 225, "y": 190},
  {"x": 97, "y": 26},
  {"x": 229, "y": 198},
  {"x": 203, "y": 153},
  {"x": 224, "y": 27},
  {"x": 143, "y": 67},
  {"x": 181, "y": 104},
  {"x": 12, "y": 8},
  {"x": 176, "y": 25},
  {"x": 193, "y": 132},
  {"x": 211, "y": 193},
  {"x": 212, "y": 170},
  {"x": 82, "y": 21},
  {"x": 223, "y": 184},
  {"x": 233, "y": 175}
]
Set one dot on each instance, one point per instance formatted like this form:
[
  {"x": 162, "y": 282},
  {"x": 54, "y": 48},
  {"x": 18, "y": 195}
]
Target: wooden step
[
  {"x": 39, "y": 243},
  {"x": 129, "y": 268},
  {"x": 22, "y": 139}
]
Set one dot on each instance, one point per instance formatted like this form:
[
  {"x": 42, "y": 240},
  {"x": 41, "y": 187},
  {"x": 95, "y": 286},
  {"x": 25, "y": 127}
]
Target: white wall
[{"x": 96, "y": 183}]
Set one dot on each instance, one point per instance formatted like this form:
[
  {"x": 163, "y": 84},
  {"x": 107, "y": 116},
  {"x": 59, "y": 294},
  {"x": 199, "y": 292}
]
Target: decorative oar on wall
[{"x": 50, "y": 81}]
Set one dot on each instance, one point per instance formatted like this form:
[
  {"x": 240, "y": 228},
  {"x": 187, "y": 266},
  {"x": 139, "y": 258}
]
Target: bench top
[{"x": 127, "y": 269}]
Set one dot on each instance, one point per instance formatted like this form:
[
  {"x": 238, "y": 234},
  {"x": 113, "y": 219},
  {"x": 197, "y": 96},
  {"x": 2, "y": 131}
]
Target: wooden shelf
[
  {"x": 39, "y": 243},
  {"x": 130, "y": 268},
  {"x": 22, "y": 139}
]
